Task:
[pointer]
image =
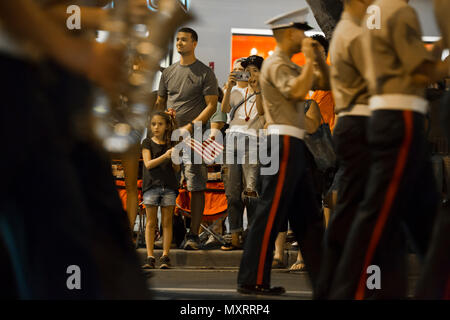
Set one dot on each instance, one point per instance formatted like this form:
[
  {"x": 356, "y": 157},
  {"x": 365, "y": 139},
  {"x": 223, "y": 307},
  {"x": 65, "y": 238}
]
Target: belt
[
  {"x": 285, "y": 130},
  {"x": 398, "y": 102},
  {"x": 359, "y": 110}
]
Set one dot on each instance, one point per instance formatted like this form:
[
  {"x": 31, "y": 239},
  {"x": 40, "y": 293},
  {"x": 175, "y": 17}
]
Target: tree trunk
[{"x": 327, "y": 14}]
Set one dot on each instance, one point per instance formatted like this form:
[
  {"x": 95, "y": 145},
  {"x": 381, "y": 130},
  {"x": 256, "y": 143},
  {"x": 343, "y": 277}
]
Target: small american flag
[{"x": 209, "y": 150}]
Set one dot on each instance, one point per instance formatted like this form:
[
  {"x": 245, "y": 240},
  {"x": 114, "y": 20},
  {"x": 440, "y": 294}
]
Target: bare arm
[
  {"x": 259, "y": 104},
  {"x": 149, "y": 163},
  {"x": 254, "y": 84},
  {"x": 303, "y": 83},
  {"x": 161, "y": 103},
  {"x": 226, "y": 99},
  {"x": 176, "y": 167},
  {"x": 211, "y": 107},
  {"x": 313, "y": 118},
  {"x": 322, "y": 74}
]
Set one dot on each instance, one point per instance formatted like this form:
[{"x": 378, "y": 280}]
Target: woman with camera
[{"x": 244, "y": 105}]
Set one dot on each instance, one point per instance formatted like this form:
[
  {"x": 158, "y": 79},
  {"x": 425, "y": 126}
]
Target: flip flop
[{"x": 298, "y": 266}]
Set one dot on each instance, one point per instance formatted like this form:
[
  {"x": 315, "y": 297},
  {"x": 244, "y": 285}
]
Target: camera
[{"x": 242, "y": 76}]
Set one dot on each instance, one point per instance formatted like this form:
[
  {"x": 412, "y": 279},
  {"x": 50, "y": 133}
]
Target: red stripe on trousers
[
  {"x": 273, "y": 210},
  {"x": 388, "y": 201},
  {"x": 447, "y": 290}
]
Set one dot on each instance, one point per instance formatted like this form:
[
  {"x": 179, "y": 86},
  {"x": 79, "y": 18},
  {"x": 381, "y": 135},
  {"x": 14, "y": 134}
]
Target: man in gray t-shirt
[
  {"x": 185, "y": 87},
  {"x": 190, "y": 88}
]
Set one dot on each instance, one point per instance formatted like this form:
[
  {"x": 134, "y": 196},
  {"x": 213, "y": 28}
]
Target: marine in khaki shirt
[
  {"x": 400, "y": 190},
  {"x": 277, "y": 77},
  {"x": 285, "y": 85},
  {"x": 349, "y": 87},
  {"x": 398, "y": 64}
]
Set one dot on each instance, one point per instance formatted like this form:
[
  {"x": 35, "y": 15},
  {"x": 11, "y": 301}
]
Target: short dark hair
[
  {"x": 194, "y": 34},
  {"x": 323, "y": 42}
]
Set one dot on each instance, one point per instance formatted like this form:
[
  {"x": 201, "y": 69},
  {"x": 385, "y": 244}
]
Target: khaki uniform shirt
[
  {"x": 347, "y": 65},
  {"x": 277, "y": 76},
  {"x": 395, "y": 50}
]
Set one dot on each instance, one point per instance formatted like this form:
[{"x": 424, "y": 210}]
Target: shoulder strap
[
  {"x": 308, "y": 103},
  {"x": 233, "y": 111}
]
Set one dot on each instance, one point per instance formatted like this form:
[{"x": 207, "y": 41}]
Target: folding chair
[{"x": 215, "y": 208}]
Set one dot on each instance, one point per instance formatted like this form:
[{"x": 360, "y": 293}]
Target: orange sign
[{"x": 247, "y": 45}]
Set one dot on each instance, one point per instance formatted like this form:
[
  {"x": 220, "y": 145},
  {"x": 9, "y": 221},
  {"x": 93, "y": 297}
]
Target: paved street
[{"x": 220, "y": 284}]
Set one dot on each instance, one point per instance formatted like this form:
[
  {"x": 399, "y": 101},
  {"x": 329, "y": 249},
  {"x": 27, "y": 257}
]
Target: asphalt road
[{"x": 220, "y": 284}]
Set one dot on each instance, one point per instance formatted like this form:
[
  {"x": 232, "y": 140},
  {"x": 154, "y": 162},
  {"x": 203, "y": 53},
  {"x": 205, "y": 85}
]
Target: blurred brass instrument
[{"x": 121, "y": 119}]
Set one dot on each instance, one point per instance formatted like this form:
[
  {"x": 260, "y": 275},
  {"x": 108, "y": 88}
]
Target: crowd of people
[
  {"x": 376, "y": 202},
  {"x": 359, "y": 212}
]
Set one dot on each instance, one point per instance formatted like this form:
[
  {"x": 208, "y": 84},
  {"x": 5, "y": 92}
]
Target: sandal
[
  {"x": 229, "y": 247},
  {"x": 298, "y": 266},
  {"x": 278, "y": 264}
]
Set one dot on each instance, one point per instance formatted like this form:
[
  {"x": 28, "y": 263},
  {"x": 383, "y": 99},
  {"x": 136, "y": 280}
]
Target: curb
[{"x": 216, "y": 259}]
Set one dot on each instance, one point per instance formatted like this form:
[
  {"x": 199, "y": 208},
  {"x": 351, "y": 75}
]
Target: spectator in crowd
[
  {"x": 190, "y": 88},
  {"x": 219, "y": 119},
  {"x": 218, "y": 123},
  {"x": 324, "y": 98},
  {"x": 246, "y": 118},
  {"x": 160, "y": 185}
]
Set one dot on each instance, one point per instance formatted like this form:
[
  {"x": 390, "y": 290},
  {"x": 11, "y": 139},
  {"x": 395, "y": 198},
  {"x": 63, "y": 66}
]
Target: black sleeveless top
[{"x": 161, "y": 176}]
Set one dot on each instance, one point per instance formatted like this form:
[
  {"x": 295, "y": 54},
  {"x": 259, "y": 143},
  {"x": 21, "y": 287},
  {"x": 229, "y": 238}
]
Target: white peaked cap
[{"x": 295, "y": 19}]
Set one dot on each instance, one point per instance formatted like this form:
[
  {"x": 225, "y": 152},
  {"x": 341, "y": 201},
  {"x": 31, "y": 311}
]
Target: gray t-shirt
[{"x": 185, "y": 88}]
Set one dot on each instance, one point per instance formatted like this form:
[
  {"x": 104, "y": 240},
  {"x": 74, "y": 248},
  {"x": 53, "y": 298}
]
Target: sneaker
[
  {"x": 149, "y": 263},
  {"x": 192, "y": 242},
  {"x": 164, "y": 262}
]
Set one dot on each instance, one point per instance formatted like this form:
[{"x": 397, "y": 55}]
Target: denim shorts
[{"x": 160, "y": 196}]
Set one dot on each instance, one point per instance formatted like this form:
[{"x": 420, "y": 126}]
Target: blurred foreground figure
[
  {"x": 63, "y": 232},
  {"x": 400, "y": 197}
]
